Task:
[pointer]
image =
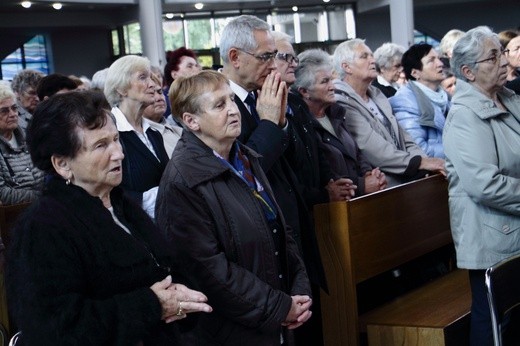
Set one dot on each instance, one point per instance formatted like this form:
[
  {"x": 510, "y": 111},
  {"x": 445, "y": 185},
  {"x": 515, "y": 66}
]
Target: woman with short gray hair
[
  {"x": 388, "y": 63},
  {"x": 481, "y": 141}
]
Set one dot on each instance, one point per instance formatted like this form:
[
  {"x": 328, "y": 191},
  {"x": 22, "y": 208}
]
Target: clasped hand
[
  {"x": 272, "y": 100},
  {"x": 178, "y": 300},
  {"x": 300, "y": 312}
]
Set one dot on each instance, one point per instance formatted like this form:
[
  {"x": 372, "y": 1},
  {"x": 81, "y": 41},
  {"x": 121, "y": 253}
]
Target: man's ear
[
  {"x": 61, "y": 165},
  {"x": 468, "y": 73},
  {"x": 234, "y": 57},
  {"x": 191, "y": 121},
  {"x": 345, "y": 66}
]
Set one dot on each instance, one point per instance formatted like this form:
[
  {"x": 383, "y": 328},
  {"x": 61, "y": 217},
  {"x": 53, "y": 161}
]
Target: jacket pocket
[{"x": 501, "y": 232}]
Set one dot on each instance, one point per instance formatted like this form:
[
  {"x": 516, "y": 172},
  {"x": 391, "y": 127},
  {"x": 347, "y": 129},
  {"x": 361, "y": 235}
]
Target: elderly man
[
  {"x": 248, "y": 53},
  {"x": 371, "y": 120},
  {"x": 24, "y": 85}
]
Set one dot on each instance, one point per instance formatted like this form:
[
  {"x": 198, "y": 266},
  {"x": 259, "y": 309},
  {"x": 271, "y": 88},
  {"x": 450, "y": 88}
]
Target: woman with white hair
[
  {"x": 20, "y": 180},
  {"x": 388, "y": 64},
  {"x": 371, "y": 120},
  {"x": 481, "y": 141},
  {"x": 129, "y": 89}
]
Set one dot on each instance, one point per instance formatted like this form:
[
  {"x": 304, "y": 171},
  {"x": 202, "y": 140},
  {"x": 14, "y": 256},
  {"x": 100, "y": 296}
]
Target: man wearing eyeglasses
[
  {"x": 24, "y": 85},
  {"x": 248, "y": 52}
]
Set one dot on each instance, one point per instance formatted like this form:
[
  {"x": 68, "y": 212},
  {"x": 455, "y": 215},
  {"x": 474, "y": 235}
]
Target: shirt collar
[
  {"x": 122, "y": 123},
  {"x": 240, "y": 92}
]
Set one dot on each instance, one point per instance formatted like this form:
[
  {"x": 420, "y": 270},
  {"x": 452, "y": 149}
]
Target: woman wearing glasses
[
  {"x": 20, "y": 180},
  {"x": 481, "y": 141},
  {"x": 510, "y": 40}
]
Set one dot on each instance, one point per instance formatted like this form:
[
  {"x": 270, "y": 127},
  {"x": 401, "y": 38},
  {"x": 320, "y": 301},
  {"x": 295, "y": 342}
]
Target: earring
[{"x": 67, "y": 181}]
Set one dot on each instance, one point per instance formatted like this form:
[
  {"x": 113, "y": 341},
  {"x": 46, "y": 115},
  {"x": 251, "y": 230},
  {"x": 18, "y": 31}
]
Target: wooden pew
[
  {"x": 8, "y": 216},
  {"x": 373, "y": 234}
]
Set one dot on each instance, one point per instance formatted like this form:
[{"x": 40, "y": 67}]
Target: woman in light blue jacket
[
  {"x": 481, "y": 142},
  {"x": 421, "y": 105}
]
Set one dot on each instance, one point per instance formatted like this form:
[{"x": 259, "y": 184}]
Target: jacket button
[
  {"x": 276, "y": 253},
  {"x": 280, "y": 276},
  {"x": 505, "y": 228},
  {"x": 27, "y": 169},
  {"x": 275, "y": 230}
]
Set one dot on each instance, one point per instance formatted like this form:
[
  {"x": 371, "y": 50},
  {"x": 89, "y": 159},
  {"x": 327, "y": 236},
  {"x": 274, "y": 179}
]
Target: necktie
[{"x": 251, "y": 102}]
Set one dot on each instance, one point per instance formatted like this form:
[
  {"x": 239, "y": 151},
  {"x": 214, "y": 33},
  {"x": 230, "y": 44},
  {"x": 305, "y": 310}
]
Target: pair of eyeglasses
[
  {"x": 263, "y": 57},
  {"x": 288, "y": 58},
  {"x": 494, "y": 58},
  {"x": 4, "y": 111}
]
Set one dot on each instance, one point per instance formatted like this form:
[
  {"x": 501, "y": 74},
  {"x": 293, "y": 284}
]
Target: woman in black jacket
[
  {"x": 229, "y": 234},
  {"x": 87, "y": 266}
]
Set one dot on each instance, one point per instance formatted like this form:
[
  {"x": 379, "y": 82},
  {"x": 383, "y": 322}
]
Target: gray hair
[
  {"x": 119, "y": 76},
  {"x": 448, "y": 41},
  {"x": 6, "y": 92},
  {"x": 98, "y": 79},
  {"x": 26, "y": 79},
  {"x": 388, "y": 55},
  {"x": 469, "y": 48},
  {"x": 311, "y": 61},
  {"x": 345, "y": 52},
  {"x": 239, "y": 33},
  {"x": 281, "y": 36}
]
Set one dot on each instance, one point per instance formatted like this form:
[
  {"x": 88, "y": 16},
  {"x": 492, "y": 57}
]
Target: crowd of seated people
[{"x": 254, "y": 146}]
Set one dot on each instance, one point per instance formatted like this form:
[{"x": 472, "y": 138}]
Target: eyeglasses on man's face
[
  {"x": 269, "y": 56},
  {"x": 493, "y": 58},
  {"x": 287, "y": 57},
  {"x": 5, "y": 111}
]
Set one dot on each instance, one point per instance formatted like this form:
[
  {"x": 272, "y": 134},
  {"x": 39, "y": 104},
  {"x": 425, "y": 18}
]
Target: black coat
[
  {"x": 225, "y": 247},
  {"x": 341, "y": 151},
  {"x": 270, "y": 141},
  {"x": 76, "y": 278},
  {"x": 141, "y": 169}
]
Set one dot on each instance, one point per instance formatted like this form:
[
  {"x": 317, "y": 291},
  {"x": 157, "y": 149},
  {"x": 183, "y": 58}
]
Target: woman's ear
[
  {"x": 416, "y": 73},
  {"x": 191, "y": 121},
  {"x": 346, "y": 67},
  {"x": 61, "y": 165},
  {"x": 468, "y": 73},
  {"x": 306, "y": 95}
]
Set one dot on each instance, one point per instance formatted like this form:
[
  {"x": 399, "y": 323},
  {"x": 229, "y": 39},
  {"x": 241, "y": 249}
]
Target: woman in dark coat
[
  {"x": 230, "y": 236},
  {"x": 87, "y": 266},
  {"x": 314, "y": 84}
]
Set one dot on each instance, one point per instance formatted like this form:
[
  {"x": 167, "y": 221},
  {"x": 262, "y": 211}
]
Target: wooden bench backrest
[{"x": 372, "y": 234}]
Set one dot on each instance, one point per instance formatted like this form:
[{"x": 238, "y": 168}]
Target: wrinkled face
[
  {"x": 391, "y": 73},
  {"x": 490, "y": 73},
  {"x": 8, "y": 116},
  {"x": 219, "y": 119},
  {"x": 142, "y": 87},
  {"x": 448, "y": 84},
  {"x": 252, "y": 67},
  {"x": 187, "y": 68},
  {"x": 432, "y": 73},
  {"x": 513, "y": 56},
  {"x": 156, "y": 110},
  {"x": 323, "y": 89},
  {"x": 97, "y": 166},
  {"x": 364, "y": 66},
  {"x": 286, "y": 61},
  {"x": 29, "y": 99}
]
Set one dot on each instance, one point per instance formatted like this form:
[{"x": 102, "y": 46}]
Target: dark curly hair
[
  {"x": 173, "y": 59},
  {"x": 53, "y": 129}
]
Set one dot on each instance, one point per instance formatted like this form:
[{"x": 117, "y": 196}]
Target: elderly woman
[
  {"x": 230, "y": 236},
  {"x": 87, "y": 266},
  {"x": 129, "y": 89},
  {"x": 314, "y": 84},
  {"x": 24, "y": 85},
  {"x": 154, "y": 114},
  {"x": 371, "y": 121},
  {"x": 388, "y": 64},
  {"x": 510, "y": 41},
  {"x": 422, "y": 105},
  {"x": 20, "y": 180},
  {"x": 481, "y": 141},
  {"x": 181, "y": 62}
]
